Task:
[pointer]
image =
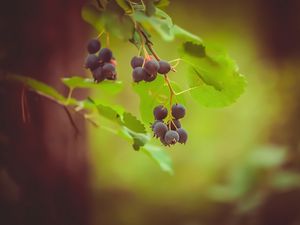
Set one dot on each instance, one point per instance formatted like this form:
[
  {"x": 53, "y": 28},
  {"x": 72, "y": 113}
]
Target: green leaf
[
  {"x": 124, "y": 5},
  {"x": 216, "y": 74},
  {"x": 161, "y": 23},
  {"x": 185, "y": 35},
  {"x": 155, "y": 93},
  {"x": 109, "y": 86},
  {"x": 109, "y": 113},
  {"x": 139, "y": 139},
  {"x": 93, "y": 16},
  {"x": 132, "y": 123},
  {"x": 39, "y": 87},
  {"x": 160, "y": 156},
  {"x": 162, "y": 3}
]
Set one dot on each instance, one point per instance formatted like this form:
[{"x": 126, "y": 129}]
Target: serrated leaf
[
  {"x": 216, "y": 74},
  {"x": 109, "y": 113},
  {"x": 39, "y": 87},
  {"x": 132, "y": 123},
  {"x": 160, "y": 156},
  {"x": 155, "y": 93},
  {"x": 112, "y": 87}
]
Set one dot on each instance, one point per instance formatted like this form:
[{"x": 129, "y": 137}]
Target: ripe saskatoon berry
[
  {"x": 164, "y": 67},
  {"x": 155, "y": 122},
  {"x": 160, "y": 129},
  {"x": 150, "y": 77},
  {"x": 160, "y": 112},
  {"x": 178, "y": 111},
  {"x": 151, "y": 67},
  {"x": 162, "y": 140},
  {"x": 171, "y": 137},
  {"x": 92, "y": 62},
  {"x": 182, "y": 136},
  {"x": 98, "y": 74},
  {"x": 138, "y": 74},
  {"x": 109, "y": 71},
  {"x": 105, "y": 55},
  {"x": 137, "y": 61},
  {"x": 93, "y": 46},
  {"x": 175, "y": 124}
]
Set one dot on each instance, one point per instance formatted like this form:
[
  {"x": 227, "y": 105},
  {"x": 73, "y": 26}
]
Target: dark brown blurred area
[
  {"x": 44, "y": 166},
  {"x": 44, "y": 163}
]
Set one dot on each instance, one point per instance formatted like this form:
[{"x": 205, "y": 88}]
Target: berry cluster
[
  {"x": 146, "y": 69},
  {"x": 170, "y": 132},
  {"x": 103, "y": 65}
]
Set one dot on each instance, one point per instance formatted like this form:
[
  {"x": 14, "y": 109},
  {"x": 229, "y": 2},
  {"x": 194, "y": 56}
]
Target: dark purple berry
[
  {"x": 183, "y": 136},
  {"x": 151, "y": 67},
  {"x": 93, "y": 46},
  {"x": 137, "y": 61},
  {"x": 178, "y": 111},
  {"x": 105, "y": 55},
  {"x": 98, "y": 74},
  {"x": 174, "y": 124},
  {"x": 109, "y": 71},
  {"x": 160, "y": 112},
  {"x": 164, "y": 67},
  {"x": 92, "y": 62},
  {"x": 160, "y": 129},
  {"x": 155, "y": 122},
  {"x": 171, "y": 137},
  {"x": 150, "y": 77},
  {"x": 138, "y": 74},
  {"x": 162, "y": 140}
]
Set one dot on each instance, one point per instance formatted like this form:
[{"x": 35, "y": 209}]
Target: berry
[
  {"x": 138, "y": 74},
  {"x": 105, "y": 55},
  {"x": 98, "y": 74},
  {"x": 109, "y": 71},
  {"x": 160, "y": 112},
  {"x": 151, "y": 67},
  {"x": 93, "y": 46},
  {"x": 137, "y": 61},
  {"x": 92, "y": 62},
  {"x": 149, "y": 77},
  {"x": 160, "y": 129},
  {"x": 178, "y": 111},
  {"x": 162, "y": 140},
  {"x": 171, "y": 137},
  {"x": 174, "y": 124},
  {"x": 182, "y": 136},
  {"x": 164, "y": 67},
  {"x": 153, "y": 124}
]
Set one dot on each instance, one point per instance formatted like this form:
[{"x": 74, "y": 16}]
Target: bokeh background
[{"x": 240, "y": 165}]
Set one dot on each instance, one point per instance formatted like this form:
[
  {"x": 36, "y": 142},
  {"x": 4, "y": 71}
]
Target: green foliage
[
  {"x": 153, "y": 94},
  {"x": 112, "y": 87}
]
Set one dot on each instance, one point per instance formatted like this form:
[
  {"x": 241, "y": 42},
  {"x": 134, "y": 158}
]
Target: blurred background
[{"x": 241, "y": 163}]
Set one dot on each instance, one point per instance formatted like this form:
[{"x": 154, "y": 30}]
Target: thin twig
[{"x": 71, "y": 121}]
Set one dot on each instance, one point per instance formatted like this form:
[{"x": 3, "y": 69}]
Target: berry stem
[
  {"x": 100, "y": 34},
  {"x": 107, "y": 40}
]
